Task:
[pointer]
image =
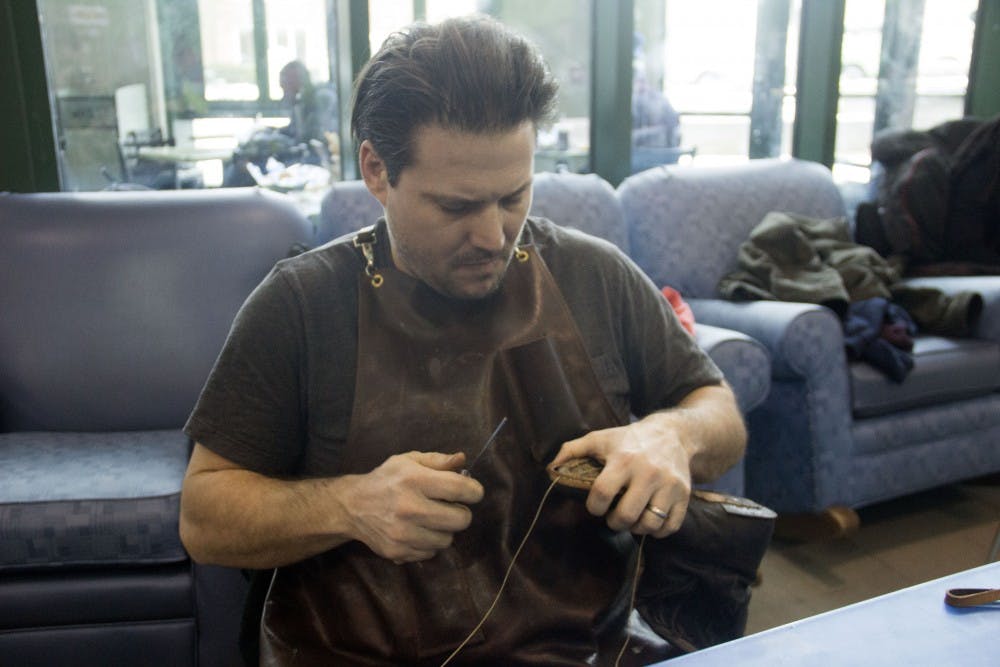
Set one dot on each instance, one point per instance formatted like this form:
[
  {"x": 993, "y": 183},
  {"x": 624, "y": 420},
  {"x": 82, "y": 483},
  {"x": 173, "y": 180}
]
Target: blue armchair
[
  {"x": 831, "y": 435},
  {"x": 114, "y": 307},
  {"x": 588, "y": 203}
]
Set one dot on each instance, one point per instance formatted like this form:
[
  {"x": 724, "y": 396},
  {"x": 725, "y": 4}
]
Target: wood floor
[{"x": 899, "y": 544}]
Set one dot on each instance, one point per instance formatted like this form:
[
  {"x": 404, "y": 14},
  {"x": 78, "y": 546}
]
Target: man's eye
[{"x": 454, "y": 208}]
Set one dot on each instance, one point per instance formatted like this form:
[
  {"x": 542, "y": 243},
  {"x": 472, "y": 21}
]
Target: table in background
[
  {"x": 178, "y": 167},
  {"x": 911, "y": 627},
  {"x": 182, "y": 154}
]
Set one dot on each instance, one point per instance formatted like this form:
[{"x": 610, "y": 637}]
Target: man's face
[{"x": 458, "y": 208}]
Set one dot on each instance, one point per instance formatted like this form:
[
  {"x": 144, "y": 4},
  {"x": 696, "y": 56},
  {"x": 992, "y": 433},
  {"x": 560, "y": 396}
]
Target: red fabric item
[{"x": 681, "y": 308}]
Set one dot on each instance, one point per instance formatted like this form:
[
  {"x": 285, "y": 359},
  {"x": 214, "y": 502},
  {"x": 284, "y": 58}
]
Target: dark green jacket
[{"x": 790, "y": 257}]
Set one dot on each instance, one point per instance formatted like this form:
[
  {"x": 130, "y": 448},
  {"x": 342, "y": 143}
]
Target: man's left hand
[{"x": 648, "y": 464}]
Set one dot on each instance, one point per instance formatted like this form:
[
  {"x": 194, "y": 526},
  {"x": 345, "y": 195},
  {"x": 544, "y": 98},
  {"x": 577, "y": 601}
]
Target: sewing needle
[{"x": 489, "y": 441}]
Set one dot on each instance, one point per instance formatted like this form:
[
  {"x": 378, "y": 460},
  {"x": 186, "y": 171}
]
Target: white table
[{"x": 912, "y": 627}]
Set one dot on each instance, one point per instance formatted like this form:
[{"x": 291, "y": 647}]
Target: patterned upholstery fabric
[
  {"x": 42, "y": 467},
  {"x": 686, "y": 223},
  {"x": 808, "y": 449},
  {"x": 924, "y": 447},
  {"x": 744, "y": 361},
  {"x": 584, "y": 201}
]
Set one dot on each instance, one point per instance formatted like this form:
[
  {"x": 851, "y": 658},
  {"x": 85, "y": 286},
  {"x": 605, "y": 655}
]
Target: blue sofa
[
  {"x": 113, "y": 308},
  {"x": 588, "y": 203},
  {"x": 832, "y": 435}
]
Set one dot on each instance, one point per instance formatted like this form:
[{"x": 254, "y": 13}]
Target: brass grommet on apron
[{"x": 521, "y": 254}]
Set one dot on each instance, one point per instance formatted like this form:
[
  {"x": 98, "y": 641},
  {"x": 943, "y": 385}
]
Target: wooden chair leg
[{"x": 832, "y": 523}]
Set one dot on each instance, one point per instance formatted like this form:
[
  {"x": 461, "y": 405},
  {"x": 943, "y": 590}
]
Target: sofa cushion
[
  {"x": 72, "y": 499},
  {"x": 944, "y": 369}
]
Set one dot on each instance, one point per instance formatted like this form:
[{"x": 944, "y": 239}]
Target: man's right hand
[{"x": 408, "y": 508}]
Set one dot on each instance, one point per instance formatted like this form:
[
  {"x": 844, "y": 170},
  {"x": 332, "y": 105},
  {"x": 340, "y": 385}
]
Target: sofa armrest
[
  {"x": 800, "y": 437},
  {"x": 744, "y": 361},
  {"x": 988, "y": 324},
  {"x": 804, "y": 340}
]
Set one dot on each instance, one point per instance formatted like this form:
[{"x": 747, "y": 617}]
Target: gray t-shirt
[{"x": 280, "y": 396}]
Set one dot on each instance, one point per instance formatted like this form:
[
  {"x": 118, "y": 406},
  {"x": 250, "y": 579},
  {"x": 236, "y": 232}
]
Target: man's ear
[{"x": 373, "y": 171}]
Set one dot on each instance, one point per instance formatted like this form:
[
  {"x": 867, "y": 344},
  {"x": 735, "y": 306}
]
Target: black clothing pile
[{"x": 938, "y": 198}]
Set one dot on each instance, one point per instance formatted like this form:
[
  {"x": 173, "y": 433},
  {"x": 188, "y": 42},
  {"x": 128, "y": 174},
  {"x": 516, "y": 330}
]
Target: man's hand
[
  {"x": 649, "y": 464},
  {"x": 653, "y": 462},
  {"x": 409, "y": 507}
]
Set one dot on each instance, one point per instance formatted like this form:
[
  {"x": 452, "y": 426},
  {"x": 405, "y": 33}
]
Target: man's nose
[{"x": 487, "y": 229}]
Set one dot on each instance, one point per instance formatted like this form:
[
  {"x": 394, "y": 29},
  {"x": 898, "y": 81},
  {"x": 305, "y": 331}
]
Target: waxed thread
[
  {"x": 510, "y": 568},
  {"x": 506, "y": 576},
  {"x": 635, "y": 589}
]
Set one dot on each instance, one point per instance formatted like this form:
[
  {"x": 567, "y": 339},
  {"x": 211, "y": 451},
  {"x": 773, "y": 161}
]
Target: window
[
  {"x": 228, "y": 62},
  {"x": 722, "y": 74},
  {"x": 160, "y": 93},
  {"x": 860, "y": 56},
  {"x": 943, "y": 64},
  {"x": 99, "y": 56}
]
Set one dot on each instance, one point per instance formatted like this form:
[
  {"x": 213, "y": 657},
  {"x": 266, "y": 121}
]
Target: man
[
  {"x": 655, "y": 122},
  {"x": 312, "y": 118},
  {"x": 312, "y": 109},
  {"x": 363, "y": 378}
]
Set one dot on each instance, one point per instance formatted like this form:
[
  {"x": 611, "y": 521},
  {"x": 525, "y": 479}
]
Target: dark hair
[{"x": 471, "y": 74}]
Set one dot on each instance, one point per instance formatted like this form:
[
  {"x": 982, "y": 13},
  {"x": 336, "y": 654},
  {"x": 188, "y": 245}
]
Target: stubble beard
[{"x": 453, "y": 291}]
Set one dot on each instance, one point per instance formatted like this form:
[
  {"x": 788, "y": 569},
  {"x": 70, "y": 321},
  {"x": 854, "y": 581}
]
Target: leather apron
[{"x": 436, "y": 374}]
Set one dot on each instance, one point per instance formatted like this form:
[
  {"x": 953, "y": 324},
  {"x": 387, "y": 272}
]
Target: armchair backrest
[
  {"x": 686, "y": 223},
  {"x": 114, "y": 305},
  {"x": 583, "y": 201},
  {"x": 346, "y": 207}
]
